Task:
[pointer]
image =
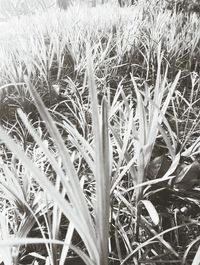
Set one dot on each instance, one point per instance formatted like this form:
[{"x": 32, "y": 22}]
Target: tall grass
[
  {"x": 137, "y": 29},
  {"x": 95, "y": 233},
  {"x": 87, "y": 155}
]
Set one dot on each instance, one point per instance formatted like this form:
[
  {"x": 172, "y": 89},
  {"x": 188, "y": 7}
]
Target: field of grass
[{"x": 99, "y": 133}]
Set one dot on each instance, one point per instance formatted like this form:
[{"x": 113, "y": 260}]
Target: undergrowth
[{"x": 100, "y": 136}]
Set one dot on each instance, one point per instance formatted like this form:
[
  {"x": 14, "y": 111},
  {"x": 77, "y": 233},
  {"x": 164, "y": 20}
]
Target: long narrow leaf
[{"x": 101, "y": 145}]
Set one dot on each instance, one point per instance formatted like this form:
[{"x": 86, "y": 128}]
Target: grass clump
[{"x": 99, "y": 131}]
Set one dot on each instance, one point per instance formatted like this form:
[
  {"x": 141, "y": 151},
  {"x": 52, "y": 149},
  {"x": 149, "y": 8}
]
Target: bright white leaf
[
  {"x": 196, "y": 260},
  {"x": 152, "y": 211}
]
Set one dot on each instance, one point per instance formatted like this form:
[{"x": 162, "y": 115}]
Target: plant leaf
[{"x": 152, "y": 211}]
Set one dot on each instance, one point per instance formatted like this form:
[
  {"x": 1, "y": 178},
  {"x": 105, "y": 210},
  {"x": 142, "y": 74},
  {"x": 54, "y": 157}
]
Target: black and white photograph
[{"x": 99, "y": 132}]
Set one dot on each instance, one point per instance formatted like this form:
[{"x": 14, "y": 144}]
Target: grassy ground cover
[{"x": 99, "y": 112}]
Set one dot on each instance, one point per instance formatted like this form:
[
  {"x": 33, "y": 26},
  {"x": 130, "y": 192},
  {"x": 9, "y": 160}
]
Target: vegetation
[{"x": 99, "y": 135}]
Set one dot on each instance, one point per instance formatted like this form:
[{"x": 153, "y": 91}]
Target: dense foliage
[{"x": 99, "y": 114}]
